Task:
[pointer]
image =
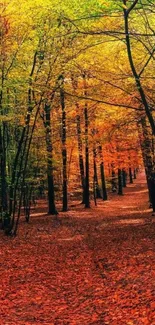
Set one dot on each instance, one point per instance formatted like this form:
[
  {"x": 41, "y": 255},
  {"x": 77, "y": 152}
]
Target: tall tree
[
  {"x": 138, "y": 74},
  {"x": 64, "y": 148},
  {"x": 49, "y": 146},
  {"x": 87, "y": 199},
  {"x": 103, "y": 182}
]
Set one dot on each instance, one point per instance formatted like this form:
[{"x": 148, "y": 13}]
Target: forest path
[
  {"x": 133, "y": 202},
  {"x": 92, "y": 267}
]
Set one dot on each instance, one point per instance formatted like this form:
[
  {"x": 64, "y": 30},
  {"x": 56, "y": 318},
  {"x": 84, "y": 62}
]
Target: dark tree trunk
[
  {"x": 151, "y": 183},
  {"x": 18, "y": 168},
  {"x": 3, "y": 187},
  {"x": 130, "y": 176},
  {"x": 134, "y": 174},
  {"x": 135, "y": 73},
  {"x": 64, "y": 149},
  {"x": 113, "y": 180},
  {"x": 103, "y": 182},
  {"x": 23, "y": 167},
  {"x": 4, "y": 216},
  {"x": 87, "y": 202},
  {"x": 81, "y": 163},
  {"x": 27, "y": 195},
  {"x": 146, "y": 146},
  {"x": 15, "y": 175},
  {"x": 124, "y": 175},
  {"x": 141, "y": 90},
  {"x": 96, "y": 184},
  {"x": 49, "y": 147},
  {"x": 120, "y": 187},
  {"x": 80, "y": 151},
  {"x": 20, "y": 161}
]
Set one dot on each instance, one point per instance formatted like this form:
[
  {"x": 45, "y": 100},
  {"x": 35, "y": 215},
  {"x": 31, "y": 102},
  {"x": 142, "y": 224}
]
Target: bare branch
[
  {"x": 104, "y": 102},
  {"x": 147, "y": 62},
  {"x": 132, "y": 6}
]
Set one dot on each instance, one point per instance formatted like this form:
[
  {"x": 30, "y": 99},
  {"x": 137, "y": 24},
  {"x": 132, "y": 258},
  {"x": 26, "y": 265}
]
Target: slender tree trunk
[
  {"x": 80, "y": 151},
  {"x": 23, "y": 169},
  {"x": 96, "y": 184},
  {"x": 27, "y": 195},
  {"x": 81, "y": 163},
  {"x": 113, "y": 179},
  {"x": 21, "y": 151},
  {"x": 120, "y": 187},
  {"x": 51, "y": 195},
  {"x": 94, "y": 191},
  {"x": 130, "y": 175},
  {"x": 124, "y": 177},
  {"x": 103, "y": 182},
  {"x": 64, "y": 149},
  {"x": 70, "y": 162},
  {"x": 146, "y": 146},
  {"x": 136, "y": 75},
  {"x": 87, "y": 200},
  {"x": 4, "y": 217},
  {"x": 4, "y": 197}
]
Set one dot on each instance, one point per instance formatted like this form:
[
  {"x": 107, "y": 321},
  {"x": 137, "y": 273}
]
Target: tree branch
[
  {"x": 104, "y": 102},
  {"x": 132, "y": 6}
]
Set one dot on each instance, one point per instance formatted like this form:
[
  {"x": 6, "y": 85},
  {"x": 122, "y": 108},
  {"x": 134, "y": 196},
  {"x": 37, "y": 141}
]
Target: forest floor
[{"x": 92, "y": 267}]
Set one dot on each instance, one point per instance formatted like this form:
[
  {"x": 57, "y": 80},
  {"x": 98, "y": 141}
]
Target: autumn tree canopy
[{"x": 76, "y": 101}]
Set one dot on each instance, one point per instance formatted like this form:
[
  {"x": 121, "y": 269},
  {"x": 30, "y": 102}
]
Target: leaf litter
[{"x": 95, "y": 267}]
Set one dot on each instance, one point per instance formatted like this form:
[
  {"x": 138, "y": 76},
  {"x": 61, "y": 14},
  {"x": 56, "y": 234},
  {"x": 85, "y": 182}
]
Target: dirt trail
[{"x": 93, "y": 267}]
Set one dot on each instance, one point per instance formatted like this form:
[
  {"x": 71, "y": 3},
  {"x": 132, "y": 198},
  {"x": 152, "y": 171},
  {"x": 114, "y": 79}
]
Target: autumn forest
[{"x": 77, "y": 162}]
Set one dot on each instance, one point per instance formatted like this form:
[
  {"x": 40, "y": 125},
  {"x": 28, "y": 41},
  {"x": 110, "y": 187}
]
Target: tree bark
[
  {"x": 3, "y": 187},
  {"x": 87, "y": 202},
  {"x": 81, "y": 162},
  {"x": 133, "y": 67},
  {"x": 124, "y": 177},
  {"x": 64, "y": 149},
  {"x": 103, "y": 182},
  {"x": 130, "y": 175},
  {"x": 120, "y": 187},
  {"x": 49, "y": 147},
  {"x": 113, "y": 179},
  {"x": 148, "y": 159},
  {"x": 134, "y": 174},
  {"x": 96, "y": 184},
  {"x": 80, "y": 151}
]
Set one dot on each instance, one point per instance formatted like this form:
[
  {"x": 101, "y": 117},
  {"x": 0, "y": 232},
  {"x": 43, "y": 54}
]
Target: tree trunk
[
  {"x": 124, "y": 177},
  {"x": 64, "y": 149},
  {"x": 18, "y": 169},
  {"x": 120, "y": 187},
  {"x": 136, "y": 75},
  {"x": 130, "y": 176},
  {"x": 96, "y": 184},
  {"x": 49, "y": 147},
  {"x": 103, "y": 182},
  {"x": 113, "y": 179},
  {"x": 80, "y": 152},
  {"x": 3, "y": 196},
  {"x": 147, "y": 153},
  {"x": 87, "y": 202},
  {"x": 81, "y": 163}
]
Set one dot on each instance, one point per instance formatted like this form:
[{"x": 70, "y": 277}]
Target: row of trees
[{"x": 76, "y": 98}]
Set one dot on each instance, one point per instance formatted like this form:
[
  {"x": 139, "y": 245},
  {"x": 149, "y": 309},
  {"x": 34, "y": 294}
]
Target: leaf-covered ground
[{"x": 93, "y": 267}]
